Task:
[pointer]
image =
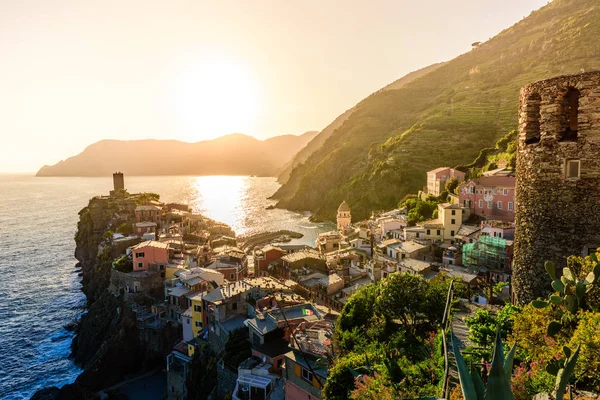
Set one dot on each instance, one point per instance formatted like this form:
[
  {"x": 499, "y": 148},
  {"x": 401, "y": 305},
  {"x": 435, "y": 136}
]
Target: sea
[{"x": 40, "y": 289}]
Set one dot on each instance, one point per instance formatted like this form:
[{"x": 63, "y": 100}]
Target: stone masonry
[{"x": 558, "y": 178}]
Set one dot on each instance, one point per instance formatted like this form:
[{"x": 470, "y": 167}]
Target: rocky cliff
[{"x": 108, "y": 345}]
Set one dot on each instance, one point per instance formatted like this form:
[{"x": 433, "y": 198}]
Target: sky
[{"x": 76, "y": 72}]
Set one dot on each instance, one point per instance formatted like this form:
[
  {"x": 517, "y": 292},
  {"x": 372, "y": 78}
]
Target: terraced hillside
[{"x": 383, "y": 149}]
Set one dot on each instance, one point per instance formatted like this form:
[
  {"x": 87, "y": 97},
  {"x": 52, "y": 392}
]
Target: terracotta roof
[
  {"x": 495, "y": 181},
  {"x": 150, "y": 243}
]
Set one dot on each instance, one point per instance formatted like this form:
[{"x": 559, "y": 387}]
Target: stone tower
[
  {"x": 343, "y": 216},
  {"x": 558, "y": 178},
  {"x": 118, "y": 183}
]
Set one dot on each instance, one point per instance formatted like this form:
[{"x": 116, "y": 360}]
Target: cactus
[
  {"x": 569, "y": 291},
  {"x": 498, "y": 384},
  {"x": 563, "y": 371}
]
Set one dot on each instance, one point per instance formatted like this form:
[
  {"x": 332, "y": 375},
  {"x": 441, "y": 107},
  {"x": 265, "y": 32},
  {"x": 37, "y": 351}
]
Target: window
[
  {"x": 453, "y": 221},
  {"x": 307, "y": 375},
  {"x": 510, "y": 206},
  {"x": 234, "y": 306},
  {"x": 403, "y": 256},
  {"x": 570, "y": 111},
  {"x": 480, "y": 203},
  {"x": 453, "y": 212},
  {"x": 139, "y": 255},
  {"x": 438, "y": 232},
  {"x": 495, "y": 191},
  {"x": 572, "y": 169},
  {"x": 499, "y": 205},
  {"x": 489, "y": 205},
  {"x": 506, "y": 192},
  {"x": 197, "y": 308},
  {"x": 429, "y": 231},
  {"x": 452, "y": 233},
  {"x": 231, "y": 276},
  {"x": 187, "y": 321},
  {"x": 198, "y": 324},
  {"x": 140, "y": 265},
  {"x": 161, "y": 267},
  {"x": 532, "y": 119}
]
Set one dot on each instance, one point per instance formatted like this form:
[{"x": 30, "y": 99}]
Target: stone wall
[{"x": 556, "y": 215}]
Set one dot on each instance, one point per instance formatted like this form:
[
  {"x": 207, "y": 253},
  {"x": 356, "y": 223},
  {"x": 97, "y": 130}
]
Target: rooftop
[
  {"x": 414, "y": 265},
  {"x": 148, "y": 207},
  {"x": 301, "y": 255},
  {"x": 146, "y": 224},
  {"x": 410, "y": 246},
  {"x": 150, "y": 243}
]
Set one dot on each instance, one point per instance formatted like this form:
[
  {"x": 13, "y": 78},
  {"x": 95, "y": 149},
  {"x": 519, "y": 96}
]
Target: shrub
[{"x": 531, "y": 378}]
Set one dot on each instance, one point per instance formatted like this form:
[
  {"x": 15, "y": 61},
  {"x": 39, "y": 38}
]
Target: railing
[{"x": 446, "y": 323}]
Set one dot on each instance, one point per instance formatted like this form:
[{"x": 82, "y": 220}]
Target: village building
[
  {"x": 450, "y": 217},
  {"x": 146, "y": 254},
  {"x": 147, "y": 213},
  {"x": 328, "y": 241},
  {"x": 301, "y": 262},
  {"x": 437, "y": 178},
  {"x": 490, "y": 197},
  {"x": 264, "y": 257},
  {"x": 146, "y": 229}
]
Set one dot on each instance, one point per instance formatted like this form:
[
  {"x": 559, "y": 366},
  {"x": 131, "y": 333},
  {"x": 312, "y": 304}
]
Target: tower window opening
[
  {"x": 532, "y": 125},
  {"x": 572, "y": 169},
  {"x": 570, "y": 114}
]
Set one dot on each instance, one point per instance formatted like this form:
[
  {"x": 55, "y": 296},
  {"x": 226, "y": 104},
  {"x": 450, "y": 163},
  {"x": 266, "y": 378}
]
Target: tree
[
  {"x": 404, "y": 297},
  {"x": 237, "y": 348},
  {"x": 124, "y": 229},
  {"x": 202, "y": 378},
  {"x": 452, "y": 185}
]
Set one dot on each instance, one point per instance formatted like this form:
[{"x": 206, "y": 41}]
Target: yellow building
[
  {"x": 197, "y": 313},
  {"x": 446, "y": 225},
  {"x": 450, "y": 216}
]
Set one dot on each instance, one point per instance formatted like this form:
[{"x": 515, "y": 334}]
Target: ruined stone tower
[
  {"x": 118, "y": 183},
  {"x": 558, "y": 178}
]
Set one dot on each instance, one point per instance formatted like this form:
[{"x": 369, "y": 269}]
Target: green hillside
[{"x": 444, "y": 118}]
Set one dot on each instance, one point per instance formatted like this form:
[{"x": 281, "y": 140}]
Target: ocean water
[{"x": 40, "y": 289}]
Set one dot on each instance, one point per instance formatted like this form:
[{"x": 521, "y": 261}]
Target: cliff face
[{"x": 108, "y": 345}]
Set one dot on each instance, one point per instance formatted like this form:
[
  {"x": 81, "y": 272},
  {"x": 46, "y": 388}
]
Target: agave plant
[
  {"x": 499, "y": 378},
  {"x": 498, "y": 382}
]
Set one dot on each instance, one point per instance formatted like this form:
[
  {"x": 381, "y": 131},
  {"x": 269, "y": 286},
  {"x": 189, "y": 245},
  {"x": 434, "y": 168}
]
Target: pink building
[
  {"x": 490, "y": 197},
  {"x": 150, "y": 253},
  {"x": 437, "y": 178}
]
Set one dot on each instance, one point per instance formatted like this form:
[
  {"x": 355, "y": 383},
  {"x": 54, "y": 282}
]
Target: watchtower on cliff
[
  {"x": 558, "y": 178},
  {"x": 118, "y": 183}
]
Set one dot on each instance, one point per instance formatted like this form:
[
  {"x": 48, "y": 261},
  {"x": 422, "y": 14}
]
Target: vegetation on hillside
[
  {"x": 382, "y": 151},
  {"x": 389, "y": 332}
]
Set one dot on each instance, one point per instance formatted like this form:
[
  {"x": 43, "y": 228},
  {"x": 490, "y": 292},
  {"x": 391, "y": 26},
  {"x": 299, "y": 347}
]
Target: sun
[{"x": 215, "y": 96}]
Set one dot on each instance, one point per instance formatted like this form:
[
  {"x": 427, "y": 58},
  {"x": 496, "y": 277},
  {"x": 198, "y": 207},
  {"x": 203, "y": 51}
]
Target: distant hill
[
  {"x": 444, "y": 117},
  {"x": 234, "y": 154}
]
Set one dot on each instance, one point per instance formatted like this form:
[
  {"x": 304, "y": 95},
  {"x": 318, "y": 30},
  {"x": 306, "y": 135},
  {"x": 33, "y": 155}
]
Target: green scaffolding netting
[{"x": 486, "y": 252}]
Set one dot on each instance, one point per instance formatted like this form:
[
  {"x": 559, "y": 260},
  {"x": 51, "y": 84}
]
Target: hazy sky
[{"x": 75, "y": 72}]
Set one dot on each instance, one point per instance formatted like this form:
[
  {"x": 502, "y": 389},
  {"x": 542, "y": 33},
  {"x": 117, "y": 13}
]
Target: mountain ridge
[
  {"x": 232, "y": 154},
  {"x": 442, "y": 118}
]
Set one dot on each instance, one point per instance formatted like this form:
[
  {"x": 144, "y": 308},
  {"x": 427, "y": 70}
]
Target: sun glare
[{"x": 214, "y": 97}]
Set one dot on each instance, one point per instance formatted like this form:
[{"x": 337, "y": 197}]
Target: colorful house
[
  {"x": 490, "y": 197},
  {"x": 150, "y": 253}
]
